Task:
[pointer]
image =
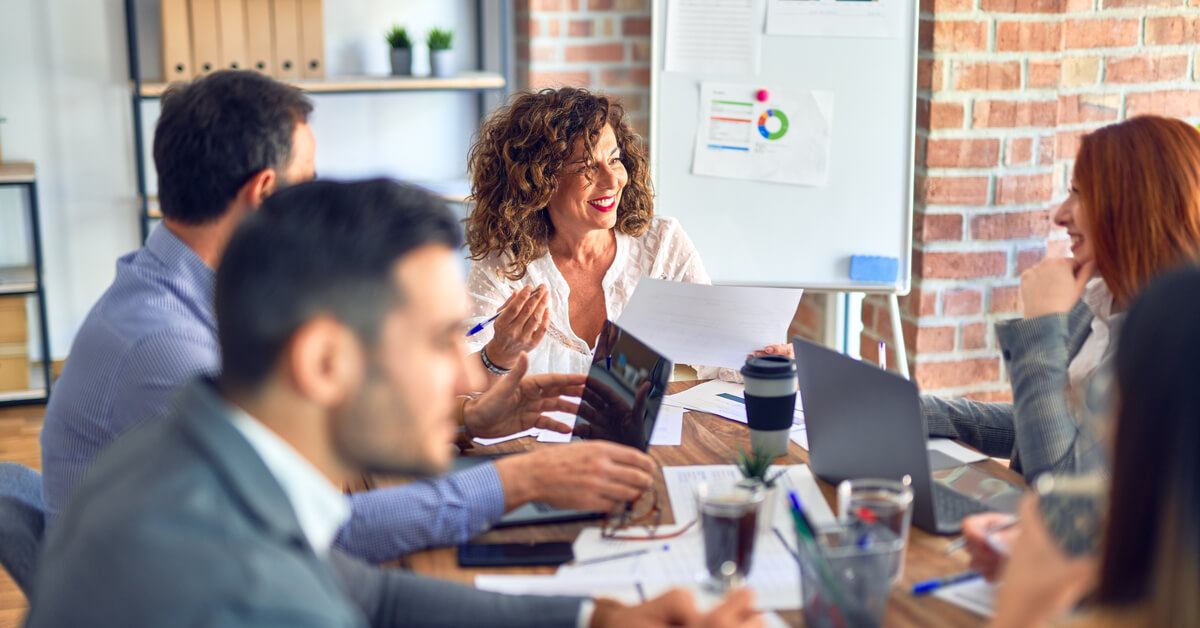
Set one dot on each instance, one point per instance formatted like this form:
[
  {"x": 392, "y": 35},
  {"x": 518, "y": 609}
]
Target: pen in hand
[
  {"x": 961, "y": 542},
  {"x": 481, "y": 326}
]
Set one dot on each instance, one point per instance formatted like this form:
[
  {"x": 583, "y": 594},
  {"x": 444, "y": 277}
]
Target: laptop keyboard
[{"x": 950, "y": 505}]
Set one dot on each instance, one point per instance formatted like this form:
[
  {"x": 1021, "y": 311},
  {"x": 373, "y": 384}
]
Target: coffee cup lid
[{"x": 769, "y": 367}]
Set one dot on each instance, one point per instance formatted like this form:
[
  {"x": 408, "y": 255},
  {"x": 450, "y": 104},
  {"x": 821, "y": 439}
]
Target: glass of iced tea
[{"x": 728, "y": 512}]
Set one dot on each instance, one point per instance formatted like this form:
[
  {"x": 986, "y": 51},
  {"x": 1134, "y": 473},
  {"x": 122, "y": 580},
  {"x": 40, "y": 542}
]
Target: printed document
[
  {"x": 699, "y": 324},
  {"x": 714, "y": 36}
]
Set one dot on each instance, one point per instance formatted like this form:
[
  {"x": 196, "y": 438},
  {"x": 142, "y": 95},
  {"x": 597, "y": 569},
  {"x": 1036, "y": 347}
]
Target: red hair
[{"x": 1139, "y": 182}]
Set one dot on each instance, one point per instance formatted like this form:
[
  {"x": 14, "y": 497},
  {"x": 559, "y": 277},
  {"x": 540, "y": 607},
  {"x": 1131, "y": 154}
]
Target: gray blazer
[
  {"x": 180, "y": 523},
  {"x": 1040, "y": 430}
]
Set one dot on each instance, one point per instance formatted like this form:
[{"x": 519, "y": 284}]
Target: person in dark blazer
[{"x": 339, "y": 313}]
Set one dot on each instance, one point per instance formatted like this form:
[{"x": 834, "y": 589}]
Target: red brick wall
[
  {"x": 1005, "y": 89},
  {"x": 600, "y": 44}
]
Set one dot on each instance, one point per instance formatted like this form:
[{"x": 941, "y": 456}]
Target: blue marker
[{"x": 929, "y": 586}]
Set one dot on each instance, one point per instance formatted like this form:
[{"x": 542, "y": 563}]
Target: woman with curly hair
[{"x": 562, "y": 229}]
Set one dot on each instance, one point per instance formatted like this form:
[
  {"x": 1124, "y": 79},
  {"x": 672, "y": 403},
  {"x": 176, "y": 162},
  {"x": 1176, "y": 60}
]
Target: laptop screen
[{"x": 625, "y": 387}]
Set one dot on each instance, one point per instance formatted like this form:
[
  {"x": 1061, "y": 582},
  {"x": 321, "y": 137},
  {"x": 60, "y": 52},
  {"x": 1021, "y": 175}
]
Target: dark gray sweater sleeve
[{"x": 395, "y": 597}]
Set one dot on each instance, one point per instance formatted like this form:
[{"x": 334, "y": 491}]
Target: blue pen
[
  {"x": 480, "y": 327},
  {"x": 929, "y": 586}
]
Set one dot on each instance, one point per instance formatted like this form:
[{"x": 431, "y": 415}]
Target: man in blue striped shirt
[{"x": 223, "y": 144}]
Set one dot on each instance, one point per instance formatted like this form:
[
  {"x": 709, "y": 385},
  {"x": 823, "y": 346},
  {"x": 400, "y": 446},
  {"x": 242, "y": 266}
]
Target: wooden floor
[{"x": 19, "y": 428}]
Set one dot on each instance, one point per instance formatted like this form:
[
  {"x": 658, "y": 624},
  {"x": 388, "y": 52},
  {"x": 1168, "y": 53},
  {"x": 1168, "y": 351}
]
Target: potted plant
[
  {"x": 401, "y": 47},
  {"x": 755, "y": 467},
  {"x": 441, "y": 58}
]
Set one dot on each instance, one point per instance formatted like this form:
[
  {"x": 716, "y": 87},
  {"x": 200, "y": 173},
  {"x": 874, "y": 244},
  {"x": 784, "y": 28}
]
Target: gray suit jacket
[
  {"x": 180, "y": 523},
  {"x": 1041, "y": 430}
]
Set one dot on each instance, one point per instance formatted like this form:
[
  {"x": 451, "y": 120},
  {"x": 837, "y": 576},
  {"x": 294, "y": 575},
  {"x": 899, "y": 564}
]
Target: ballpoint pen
[
  {"x": 929, "y": 586},
  {"x": 481, "y": 326},
  {"x": 961, "y": 542}
]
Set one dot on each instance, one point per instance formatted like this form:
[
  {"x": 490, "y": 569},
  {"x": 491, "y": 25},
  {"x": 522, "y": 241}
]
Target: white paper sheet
[
  {"x": 694, "y": 323},
  {"x": 799, "y": 435},
  {"x": 784, "y": 138},
  {"x": 581, "y": 585},
  {"x": 679, "y": 562},
  {"x": 533, "y": 431},
  {"x": 833, "y": 18},
  {"x": 955, "y": 450},
  {"x": 726, "y": 399},
  {"x": 977, "y": 596},
  {"x": 681, "y": 482},
  {"x": 714, "y": 36},
  {"x": 668, "y": 429}
]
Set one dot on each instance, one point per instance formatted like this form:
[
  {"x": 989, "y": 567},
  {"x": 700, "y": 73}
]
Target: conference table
[{"x": 710, "y": 439}]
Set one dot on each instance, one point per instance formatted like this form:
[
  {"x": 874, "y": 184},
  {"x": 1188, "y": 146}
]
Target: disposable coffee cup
[{"x": 770, "y": 402}]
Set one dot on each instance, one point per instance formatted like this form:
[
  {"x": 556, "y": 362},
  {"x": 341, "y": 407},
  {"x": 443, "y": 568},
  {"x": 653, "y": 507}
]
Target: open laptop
[
  {"x": 864, "y": 422},
  {"x": 620, "y": 402}
]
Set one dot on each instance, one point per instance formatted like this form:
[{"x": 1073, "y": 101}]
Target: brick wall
[
  {"x": 600, "y": 44},
  {"x": 1006, "y": 88}
]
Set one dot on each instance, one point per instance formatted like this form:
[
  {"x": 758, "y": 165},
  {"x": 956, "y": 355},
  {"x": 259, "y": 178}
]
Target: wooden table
[{"x": 709, "y": 439}]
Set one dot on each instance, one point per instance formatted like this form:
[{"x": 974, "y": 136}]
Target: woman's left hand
[
  {"x": 1040, "y": 582},
  {"x": 1054, "y": 285},
  {"x": 785, "y": 350}
]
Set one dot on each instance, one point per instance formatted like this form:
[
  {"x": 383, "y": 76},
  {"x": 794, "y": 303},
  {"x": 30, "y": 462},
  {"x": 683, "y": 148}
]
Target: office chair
[{"x": 22, "y": 521}]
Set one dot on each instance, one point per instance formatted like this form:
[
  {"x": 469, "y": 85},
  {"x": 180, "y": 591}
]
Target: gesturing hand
[
  {"x": 521, "y": 326},
  {"x": 584, "y": 475},
  {"x": 516, "y": 402},
  {"x": 982, "y": 546},
  {"x": 1053, "y": 285}
]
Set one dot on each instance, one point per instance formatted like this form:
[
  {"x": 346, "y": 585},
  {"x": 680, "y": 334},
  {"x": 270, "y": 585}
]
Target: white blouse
[{"x": 662, "y": 252}]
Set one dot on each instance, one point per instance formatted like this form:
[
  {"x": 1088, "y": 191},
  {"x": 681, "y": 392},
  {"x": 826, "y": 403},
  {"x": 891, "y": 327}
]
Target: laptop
[
  {"x": 864, "y": 422},
  {"x": 620, "y": 402}
]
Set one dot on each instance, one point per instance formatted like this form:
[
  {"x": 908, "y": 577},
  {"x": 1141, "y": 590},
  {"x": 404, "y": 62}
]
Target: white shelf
[{"x": 356, "y": 84}]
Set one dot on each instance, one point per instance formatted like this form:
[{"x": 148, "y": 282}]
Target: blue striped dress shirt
[{"x": 153, "y": 330}]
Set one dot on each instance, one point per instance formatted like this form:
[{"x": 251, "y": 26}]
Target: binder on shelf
[
  {"x": 286, "y": 18},
  {"x": 206, "y": 41},
  {"x": 176, "y": 42},
  {"x": 232, "y": 19},
  {"x": 260, "y": 45},
  {"x": 312, "y": 39}
]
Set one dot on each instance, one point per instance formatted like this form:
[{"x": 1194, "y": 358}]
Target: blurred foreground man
[{"x": 340, "y": 316}]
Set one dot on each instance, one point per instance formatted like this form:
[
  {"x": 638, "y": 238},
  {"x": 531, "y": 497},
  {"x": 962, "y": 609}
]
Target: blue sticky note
[{"x": 872, "y": 268}]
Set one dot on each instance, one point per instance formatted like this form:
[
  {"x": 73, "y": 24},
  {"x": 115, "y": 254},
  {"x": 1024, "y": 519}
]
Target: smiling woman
[{"x": 562, "y": 202}]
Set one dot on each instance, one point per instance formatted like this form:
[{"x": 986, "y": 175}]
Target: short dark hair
[
  {"x": 216, "y": 132},
  {"x": 318, "y": 248}
]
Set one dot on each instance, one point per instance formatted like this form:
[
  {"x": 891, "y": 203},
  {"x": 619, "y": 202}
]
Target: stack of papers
[
  {"x": 657, "y": 566},
  {"x": 728, "y": 399},
  {"x": 977, "y": 596}
]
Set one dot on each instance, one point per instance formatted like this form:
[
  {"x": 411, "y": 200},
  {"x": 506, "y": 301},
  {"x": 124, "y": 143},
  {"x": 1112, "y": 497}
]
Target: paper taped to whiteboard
[
  {"x": 784, "y": 138},
  {"x": 873, "y": 268}
]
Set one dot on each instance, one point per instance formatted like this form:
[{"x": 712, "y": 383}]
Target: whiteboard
[{"x": 774, "y": 234}]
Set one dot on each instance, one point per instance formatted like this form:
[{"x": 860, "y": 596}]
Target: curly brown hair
[{"x": 515, "y": 165}]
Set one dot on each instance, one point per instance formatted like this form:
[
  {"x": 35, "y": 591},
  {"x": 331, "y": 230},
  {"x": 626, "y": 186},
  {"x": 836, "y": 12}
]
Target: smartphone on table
[{"x": 514, "y": 554}]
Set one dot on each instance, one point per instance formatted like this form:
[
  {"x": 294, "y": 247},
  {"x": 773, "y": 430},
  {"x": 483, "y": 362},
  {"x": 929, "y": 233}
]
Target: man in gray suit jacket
[{"x": 339, "y": 309}]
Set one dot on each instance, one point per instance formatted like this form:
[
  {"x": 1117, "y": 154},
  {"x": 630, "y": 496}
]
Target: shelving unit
[
  {"x": 478, "y": 82},
  {"x": 26, "y": 281}
]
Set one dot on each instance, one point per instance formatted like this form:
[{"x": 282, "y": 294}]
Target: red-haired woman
[
  {"x": 1132, "y": 214},
  {"x": 562, "y": 229}
]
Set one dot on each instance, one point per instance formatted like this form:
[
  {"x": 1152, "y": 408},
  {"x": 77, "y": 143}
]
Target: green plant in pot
[
  {"x": 757, "y": 475},
  {"x": 441, "y": 57},
  {"x": 401, "y": 50}
]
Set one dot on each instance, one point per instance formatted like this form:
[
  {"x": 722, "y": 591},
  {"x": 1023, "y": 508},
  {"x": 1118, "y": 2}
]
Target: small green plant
[
  {"x": 397, "y": 38},
  {"x": 440, "y": 39},
  {"x": 754, "y": 466}
]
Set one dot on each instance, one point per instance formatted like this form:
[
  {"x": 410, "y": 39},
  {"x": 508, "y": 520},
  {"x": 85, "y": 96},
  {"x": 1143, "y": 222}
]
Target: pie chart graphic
[{"x": 777, "y": 133}]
